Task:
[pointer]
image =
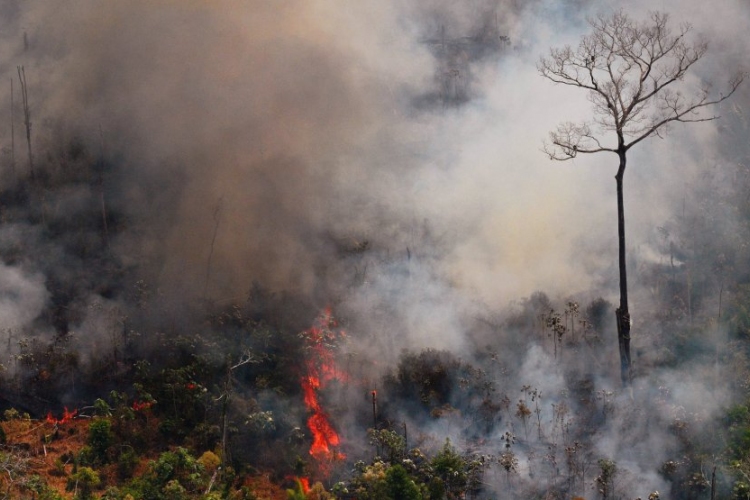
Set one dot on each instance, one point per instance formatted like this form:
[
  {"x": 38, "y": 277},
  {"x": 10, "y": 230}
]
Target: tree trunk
[
  {"x": 225, "y": 417},
  {"x": 713, "y": 484},
  {"x": 105, "y": 228},
  {"x": 27, "y": 117},
  {"x": 622, "y": 312},
  {"x": 12, "y": 134}
]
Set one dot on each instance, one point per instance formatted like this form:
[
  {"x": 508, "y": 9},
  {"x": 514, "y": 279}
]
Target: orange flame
[
  {"x": 67, "y": 416},
  {"x": 321, "y": 368},
  {"x": 305, "y": 483},
  {"x": 142, "y": 405}
]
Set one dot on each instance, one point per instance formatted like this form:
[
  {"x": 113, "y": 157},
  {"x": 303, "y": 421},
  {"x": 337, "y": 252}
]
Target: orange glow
[
  {"x": 305, "y": 483},
  {"x": 67, "y": 416},
  {"x": 141, "y": 405},
  {"x": 320, "y": 367}
]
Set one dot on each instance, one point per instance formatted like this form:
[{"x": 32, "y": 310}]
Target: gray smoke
[{"x": 381, "y": 155}]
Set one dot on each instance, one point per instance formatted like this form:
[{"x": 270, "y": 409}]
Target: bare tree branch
[
  {"x": 680, "y": 112},
  {"x": 628, "y": 69}
]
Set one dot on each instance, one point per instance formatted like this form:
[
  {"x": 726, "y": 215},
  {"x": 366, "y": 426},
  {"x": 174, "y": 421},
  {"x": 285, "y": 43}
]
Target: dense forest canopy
[{"x": 313, "y": 250}]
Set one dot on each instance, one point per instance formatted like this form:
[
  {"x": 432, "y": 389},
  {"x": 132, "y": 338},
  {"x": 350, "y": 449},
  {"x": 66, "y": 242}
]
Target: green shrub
[
  {"x": 41, "y": 490},
  {"x": 101, "y": 408},
  {"x": 400, "y": 486},
  {"x": 84, "y": 482},
  {"x": 126, "y": 463},
  {"x": 85, "y": 457},
  {"x": 173, "y": 490},
  {"x": 450, "y": 472},
  {"x": 11, "y": 414},
  {"x": 100, "y": 439},
  {"x": 173, "y": 474}
]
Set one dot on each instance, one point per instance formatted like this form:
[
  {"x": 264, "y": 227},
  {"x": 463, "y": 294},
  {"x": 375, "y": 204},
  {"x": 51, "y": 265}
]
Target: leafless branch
[
  {"x": 629, "y": 69},
  {"x": 248, "y": 357},
  {"x": 571, "y": 139}
]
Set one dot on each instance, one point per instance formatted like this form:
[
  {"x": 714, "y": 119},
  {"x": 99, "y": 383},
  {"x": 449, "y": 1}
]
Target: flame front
[
  {"x": 320, "y": 341},
  {"x": 67, "y": 416},
  {"x": 141, "y": 405},
  {"x": 305, "y": 485}
]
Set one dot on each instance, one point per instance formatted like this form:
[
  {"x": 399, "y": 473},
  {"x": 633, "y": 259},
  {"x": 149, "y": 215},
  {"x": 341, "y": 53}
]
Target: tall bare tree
[{"x": 634, "y": 74}]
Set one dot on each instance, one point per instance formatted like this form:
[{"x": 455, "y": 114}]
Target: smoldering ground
[{"x": 385, "y": 156}]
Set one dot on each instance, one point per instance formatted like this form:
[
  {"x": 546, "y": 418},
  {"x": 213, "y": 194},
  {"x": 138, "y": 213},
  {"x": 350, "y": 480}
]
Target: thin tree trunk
[
  {"x": 12, "y": 133},
  {"x": 224, "y": 415},
  {"x": 105, "y": 228},
  {"x": 713, "y": 484},
  {"x": 217, "y": 220},
  {"x": 622, "y": 313},
  {"x": 26, "y": 116}
]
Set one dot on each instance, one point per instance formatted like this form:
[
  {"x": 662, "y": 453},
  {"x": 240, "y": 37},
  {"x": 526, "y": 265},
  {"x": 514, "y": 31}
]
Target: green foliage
[
  {"x": 101, "y": 408},
  {"x": 11, "y": 414},
  {"x": 381, "y": 481},
  {"x": 318, "y": 492},
  {"x": 450, "y": 472},
  {"x": 181, "y": 465},
  {"x": 59, "y": 469},
  {"x": 41, "y": 489},
  {"x": 182, "y": 401},
  {"x": 113, "y": 493},
  {"x": 100, "y": 439},
  {"x": 369, "y": 483},
  {"x": 172, "y": 463},
  {"x": 173, "y": 475},
  {"x": 741, "y": 490},
  {"x": 389, "y": 444},
  {"x": 737, "y": 420},
  {"x": 84, "y": 481},
  {"x": 173, "y": 490},
  {"x": 126, "y": 463},
  {"x": 399, "y": 486},
  {"x": 296, "y": 493},
  {"x": 261, "y": 421},
  {"x": 85, "y": 456},
  {"x": 604, "y": 481}
]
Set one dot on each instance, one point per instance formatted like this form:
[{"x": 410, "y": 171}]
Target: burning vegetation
[{"x": 320, "y": 368}]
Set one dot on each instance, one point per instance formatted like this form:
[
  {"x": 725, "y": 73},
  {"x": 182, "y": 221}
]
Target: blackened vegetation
[
  {"x": 435, "y": 384},
  {"x": 457, "y": 57}
]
